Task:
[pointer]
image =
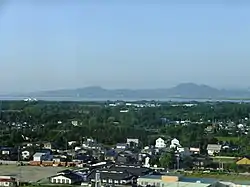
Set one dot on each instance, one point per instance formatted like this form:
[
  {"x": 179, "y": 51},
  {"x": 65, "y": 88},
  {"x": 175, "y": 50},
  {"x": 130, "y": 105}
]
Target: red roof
[{"x": 6, "y": 180}]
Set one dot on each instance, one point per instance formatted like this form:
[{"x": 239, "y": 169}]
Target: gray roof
[
  {"x": 38, "y": 154},
  {"x": 121, "y": 144},
  {"x": 214, "y": 147},
  {"x": 110, "y": 174}
]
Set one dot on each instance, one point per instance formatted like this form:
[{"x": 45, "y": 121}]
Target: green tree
[{"x": 166, "y": 160}]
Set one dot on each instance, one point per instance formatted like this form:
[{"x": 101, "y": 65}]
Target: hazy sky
[{"x": 51, "y": 44}]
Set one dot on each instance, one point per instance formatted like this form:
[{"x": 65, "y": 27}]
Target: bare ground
[{"x": 29, "y": 173}]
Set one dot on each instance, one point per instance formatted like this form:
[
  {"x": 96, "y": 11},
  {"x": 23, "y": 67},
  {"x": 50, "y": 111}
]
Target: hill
[{"x": 185, "y": 90}]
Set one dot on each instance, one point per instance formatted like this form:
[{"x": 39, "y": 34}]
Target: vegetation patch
[{"x": 227, "y": 139}]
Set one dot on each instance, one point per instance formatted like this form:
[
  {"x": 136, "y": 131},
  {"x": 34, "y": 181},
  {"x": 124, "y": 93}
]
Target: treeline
[{"x": 52, "y": 121}]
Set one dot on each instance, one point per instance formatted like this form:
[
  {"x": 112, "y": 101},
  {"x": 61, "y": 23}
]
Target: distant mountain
[{"x": 185, "y": 90}]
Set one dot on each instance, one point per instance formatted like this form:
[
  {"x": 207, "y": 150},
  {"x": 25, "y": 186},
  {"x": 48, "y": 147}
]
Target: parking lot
[{"x": 29, "y": 173}]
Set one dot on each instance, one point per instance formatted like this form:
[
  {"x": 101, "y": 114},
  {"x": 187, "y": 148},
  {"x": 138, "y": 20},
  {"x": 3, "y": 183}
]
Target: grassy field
[
  {"x": 222, "y": 138},
  {"x": 223, "y": 177},
  {"x": 29, "y": 173}
]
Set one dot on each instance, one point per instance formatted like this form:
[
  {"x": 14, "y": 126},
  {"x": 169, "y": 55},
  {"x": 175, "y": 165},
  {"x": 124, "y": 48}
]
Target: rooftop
[
  {"x": 183, "y": 179},
  {"x": 201, "y": 180},
  {"x": 158, "y": 176}
]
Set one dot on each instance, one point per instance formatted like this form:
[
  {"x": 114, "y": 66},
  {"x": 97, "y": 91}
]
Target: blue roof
[
  {"x": 111, "y": 153},
  {"x": 152, "y": 176},
  {"x": 7, "y": 148},
  {"x": 158, "y": 176},
  {"x": 183, "y": 179},
  {"x": 202, "y": 180}
]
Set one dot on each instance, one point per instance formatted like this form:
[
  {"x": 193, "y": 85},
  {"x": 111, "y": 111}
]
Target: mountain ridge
[{"x": 183, "y": 90}]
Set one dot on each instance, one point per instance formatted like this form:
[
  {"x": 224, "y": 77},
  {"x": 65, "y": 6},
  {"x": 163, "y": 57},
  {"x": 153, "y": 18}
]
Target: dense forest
[{"x": 194, "y": 125}]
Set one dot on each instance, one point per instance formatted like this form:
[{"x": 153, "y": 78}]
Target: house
[
  {"x": 42, "y": 156},
  {"x": 71, "y": 143},
  {"x": 124, "y": 111},
  {"x": 59, "y": 158},
  {"x": 122, "y": 158},
  {"x": 126, "y": 158},
  {"x": 95, "y": 146},
  {"x": 98, "y": 154},
  {"x": 175, "y": 143},
  {"x": 38, "y": 157},
  {"x": 148, "y": 150},
  {"x": 147, "y": 164},
  {"x": 111, "y": 155},
  {"x": 194, "y": 150},
  {"x": 25, "y": 155},
  {"x": 90, "y": 143},
  {"x": 47, "y": 145},
  {"x": 111, "y": 176},
  {"x": 100, "y": 165},
  {"x": 244, "y": 161},
  {"x": 213, "y": 149},
  {"x": 160, "y": 143},
  {"x": 209, "y": 129},
  {"x": 122, "y": 146},
  {"x": 66, "y": 171},
  {"x": 200, "y": 161},
  {"x": 132, "y": 141},
  {"x": 83, "y": 158},
  {"x": 7, "y": 181},
  {"x": 74, "y": 123},
  {"x": 135, "y": 169},
  {"x": 183, "y": 151},
  {"x": 67, "y": 178},
  {"x": 8, "y": 153}
]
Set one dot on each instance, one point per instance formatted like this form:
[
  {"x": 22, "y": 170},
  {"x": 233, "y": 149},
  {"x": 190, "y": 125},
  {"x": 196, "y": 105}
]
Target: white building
[
  {"x": 7, "y": 181},
  {"x": 160, "y": 143},
  {"x": 25, "y": 155},
  {"x": 121, "y": 146},
  {"x": 132, "y": 140},
  {"x": 175, "y": 143},
  {"x": 69, "y": 178},
  {"x": 74, "y": 123},
  {"x": 38, "y": 157},
  {"x": 213, "y": 149},
  {"x": 147, "y": 164},
  {"x": 47, "y": 145},
  {"x": 194, "y": 150},
  {"x": 183, "y": 151}
]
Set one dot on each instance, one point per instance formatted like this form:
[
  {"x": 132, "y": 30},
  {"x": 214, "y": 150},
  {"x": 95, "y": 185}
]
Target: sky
[{"x": 53, "y": 44}]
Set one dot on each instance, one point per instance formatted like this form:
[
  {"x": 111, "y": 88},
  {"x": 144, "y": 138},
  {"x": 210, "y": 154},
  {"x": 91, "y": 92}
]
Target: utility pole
[
  {"x": 178, "y": 162},
  {"x": 19, "y": 164},
  {"x": 18, "y": 154},
  {"x": 97, "y": 180}
]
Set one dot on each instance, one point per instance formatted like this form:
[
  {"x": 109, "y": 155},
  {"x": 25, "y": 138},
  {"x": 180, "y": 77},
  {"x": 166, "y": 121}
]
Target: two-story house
[
  {"x": 175, "y": 143},
  {"x": 160, "y": 143}
]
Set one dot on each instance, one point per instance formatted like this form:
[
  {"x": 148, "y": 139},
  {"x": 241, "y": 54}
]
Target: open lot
[
  {"x": 224, "y": 159},
  {"x": 29, "y": 173}
]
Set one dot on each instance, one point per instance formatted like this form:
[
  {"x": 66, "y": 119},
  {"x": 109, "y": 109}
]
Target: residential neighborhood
[
  {"x": 95, "y": 144},
  {"x": 123, "y": 164}
]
